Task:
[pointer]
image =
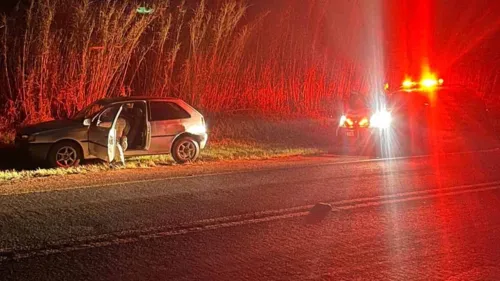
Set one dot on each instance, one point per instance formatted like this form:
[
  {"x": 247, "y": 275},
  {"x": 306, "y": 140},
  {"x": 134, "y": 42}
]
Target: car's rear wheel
[
  {"x": 64, "y": 155},
  {"x": 185, "y": 149}
]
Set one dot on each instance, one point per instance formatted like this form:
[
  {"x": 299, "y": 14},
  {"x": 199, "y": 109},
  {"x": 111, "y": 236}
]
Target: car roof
[{"x": 136, "y": 98}]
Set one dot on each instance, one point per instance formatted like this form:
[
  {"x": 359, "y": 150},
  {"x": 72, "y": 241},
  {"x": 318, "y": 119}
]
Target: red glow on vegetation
[{"x": 281, "y": 58}]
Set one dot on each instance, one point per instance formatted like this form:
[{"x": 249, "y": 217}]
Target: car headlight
[
  {"x": 381, "y": 119},
  {"x": 28, "y": 138},
  {"x": 346, "y": 122}
]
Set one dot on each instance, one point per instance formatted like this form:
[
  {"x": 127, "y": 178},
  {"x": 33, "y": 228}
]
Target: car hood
[
  {"x": 50, "y": 126},
  {"x": 359, "y": 112}
]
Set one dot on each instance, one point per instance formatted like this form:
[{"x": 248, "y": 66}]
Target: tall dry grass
[
  {"x": 298, "y": 58},
  {"x": 62, "y": 55}
]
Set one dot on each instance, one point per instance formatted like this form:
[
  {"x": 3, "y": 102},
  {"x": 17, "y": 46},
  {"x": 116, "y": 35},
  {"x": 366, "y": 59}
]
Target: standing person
[
  {"x": 122, "y": 127},
  {"x": 121, "y": 139}
]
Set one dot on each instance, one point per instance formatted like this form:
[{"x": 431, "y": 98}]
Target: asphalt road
[{"x": 424, "y": 218}]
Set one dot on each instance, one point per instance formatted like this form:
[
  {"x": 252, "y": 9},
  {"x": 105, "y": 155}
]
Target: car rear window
[{"x": 161, "y": 110}]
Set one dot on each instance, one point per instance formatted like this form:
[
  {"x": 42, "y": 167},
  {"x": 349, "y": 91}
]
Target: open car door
[{"x": 102, "y": 133}]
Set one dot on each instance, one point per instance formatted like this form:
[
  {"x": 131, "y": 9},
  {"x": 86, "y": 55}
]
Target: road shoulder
[{"x": 111, "y": 178}]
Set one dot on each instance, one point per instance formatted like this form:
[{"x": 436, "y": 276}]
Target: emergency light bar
[{"x": 426, "y": 83}]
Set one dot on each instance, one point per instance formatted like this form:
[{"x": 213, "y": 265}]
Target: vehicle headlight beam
[{"x": 381, "y": 119}]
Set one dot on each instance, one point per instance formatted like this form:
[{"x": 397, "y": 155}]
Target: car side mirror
[{"x": 87, "y": 122}]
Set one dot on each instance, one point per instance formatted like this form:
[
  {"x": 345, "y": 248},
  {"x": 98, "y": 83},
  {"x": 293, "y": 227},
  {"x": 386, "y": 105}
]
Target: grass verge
[{"x": 219, "y": 151}]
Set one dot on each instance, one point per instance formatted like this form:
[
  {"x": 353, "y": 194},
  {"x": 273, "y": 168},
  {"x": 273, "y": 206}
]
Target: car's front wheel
[
  {"x": 64, "y": 155},
  {"x": 185, "y": 149}
]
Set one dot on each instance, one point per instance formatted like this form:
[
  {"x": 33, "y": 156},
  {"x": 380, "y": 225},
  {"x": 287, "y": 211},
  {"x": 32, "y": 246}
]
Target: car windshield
[
  {"x": 89, "y": 111},
  {"x": 357, "y": 102}
]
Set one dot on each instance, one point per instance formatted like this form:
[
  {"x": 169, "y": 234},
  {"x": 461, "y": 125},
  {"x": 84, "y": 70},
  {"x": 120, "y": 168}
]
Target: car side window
[
  {"x": 93, "y": 110},
  {"x": 161, "y": 110},
  {"x": 107, "y": 116}
]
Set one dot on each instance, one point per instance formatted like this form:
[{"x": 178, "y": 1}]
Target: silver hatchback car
[{"x": 154, "y": 126}]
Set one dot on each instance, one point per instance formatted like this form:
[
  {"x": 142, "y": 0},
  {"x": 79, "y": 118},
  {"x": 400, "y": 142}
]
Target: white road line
[
  {"x": 247, "y": 171},
  {"x": 132, "y": 236}
]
